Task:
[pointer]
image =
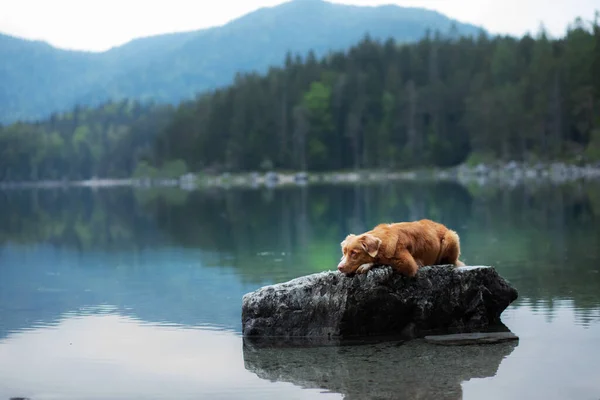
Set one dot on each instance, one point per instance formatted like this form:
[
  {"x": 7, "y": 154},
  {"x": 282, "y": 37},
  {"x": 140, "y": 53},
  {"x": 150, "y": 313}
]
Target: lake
[{"x": 121, "y": 293}]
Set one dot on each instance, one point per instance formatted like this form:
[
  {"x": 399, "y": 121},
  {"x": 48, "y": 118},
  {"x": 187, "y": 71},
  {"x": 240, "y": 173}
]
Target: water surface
[{"x": 125, "y": 294}]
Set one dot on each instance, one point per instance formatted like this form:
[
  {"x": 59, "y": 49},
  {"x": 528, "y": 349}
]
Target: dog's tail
[{"x": 450, "y": 249}]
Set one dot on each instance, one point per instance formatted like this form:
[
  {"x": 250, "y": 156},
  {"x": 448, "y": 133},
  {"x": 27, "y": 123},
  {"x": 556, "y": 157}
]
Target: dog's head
[{"x": 358, "y": 250}]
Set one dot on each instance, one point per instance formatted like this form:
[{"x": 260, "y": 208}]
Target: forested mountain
[
  {"x": 382, "y": 105},
  {"x": 437, "y": 102},
  {"x": 37, "y": 79}
]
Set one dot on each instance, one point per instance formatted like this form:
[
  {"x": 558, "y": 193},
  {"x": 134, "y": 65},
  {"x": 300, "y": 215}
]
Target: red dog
[{"x": 405, "y": 246}]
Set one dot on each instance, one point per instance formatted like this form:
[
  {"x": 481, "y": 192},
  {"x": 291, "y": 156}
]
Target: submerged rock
[
  {"x": 330, "y": 305},
  {"x": 460, "y": 339}
]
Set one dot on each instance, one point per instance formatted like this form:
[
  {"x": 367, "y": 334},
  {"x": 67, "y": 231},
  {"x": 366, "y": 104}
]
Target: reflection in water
[
  {"x": 134, "y": 247},
  {"x": 557, "y": 358},
  {"x": 544, "y": 240},
  {"x": 164, "y": 285},
  {"x": 106, "y": 356},
  {"x": 553, "y": 359},
  {"x": 77, "y": 218},
  {"x": 301, "y": 227},
  {"x": 139, "y": 277},
  {"x": 413, "y": 370}
]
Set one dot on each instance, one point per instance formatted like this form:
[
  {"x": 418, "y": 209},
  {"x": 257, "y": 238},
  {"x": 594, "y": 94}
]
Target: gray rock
[
  {"x": 512, "y": 165},
  {"x": 271, "y": 177},
  {"x": 482, "y": 169},
  {"x": 301, "y": 177},
  {"x": 460, "y": 339},
  {"x": 330, "y": 305}
]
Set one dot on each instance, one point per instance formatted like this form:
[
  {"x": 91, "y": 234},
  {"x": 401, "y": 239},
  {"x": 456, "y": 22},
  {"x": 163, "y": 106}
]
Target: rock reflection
[{"x": 391, "y": 370}]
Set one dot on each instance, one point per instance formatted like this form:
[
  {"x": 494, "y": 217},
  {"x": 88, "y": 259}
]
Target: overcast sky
[{"x": 99, "y": 25}]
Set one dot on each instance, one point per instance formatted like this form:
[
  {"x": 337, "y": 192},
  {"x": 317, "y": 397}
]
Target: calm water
[{"x": 125, "y": 294}]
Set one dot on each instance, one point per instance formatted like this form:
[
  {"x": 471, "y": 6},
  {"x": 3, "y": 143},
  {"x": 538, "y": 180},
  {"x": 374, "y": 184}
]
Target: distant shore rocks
[
  {"x": 514, "y": 172},
  {"x": 505, "y": 174},
  {"x": 511, "y": 174}
]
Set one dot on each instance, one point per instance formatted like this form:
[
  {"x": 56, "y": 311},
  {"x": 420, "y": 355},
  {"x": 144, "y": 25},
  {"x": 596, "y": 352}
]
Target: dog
[{"x": 405, "y": 246}]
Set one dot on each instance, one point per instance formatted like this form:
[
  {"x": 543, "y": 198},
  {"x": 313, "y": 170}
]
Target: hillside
[
  {"x": 38, "y": 79},
  {"x": 433, "y": 103}
]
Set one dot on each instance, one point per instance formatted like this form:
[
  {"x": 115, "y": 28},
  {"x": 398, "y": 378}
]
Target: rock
[
  {"x": 330, "y": 305},
  {"x": 472, "y": 338},
  {"x": 272, "y": 177},
  {"x": 387, "y": 370},
  {"x": 301, "y": 177},
  {"x": 481, "y": 169},
  {"x": 511, "y": 166}
]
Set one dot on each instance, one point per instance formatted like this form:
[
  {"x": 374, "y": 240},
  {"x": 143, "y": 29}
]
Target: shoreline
[{"x": 498, "y": 174}]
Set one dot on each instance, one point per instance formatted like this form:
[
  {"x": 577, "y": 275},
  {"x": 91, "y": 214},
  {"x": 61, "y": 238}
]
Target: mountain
[{"x": 38, "y": 79}]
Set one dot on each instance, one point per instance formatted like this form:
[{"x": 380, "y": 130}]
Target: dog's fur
[{"x": 405, "y": 246}]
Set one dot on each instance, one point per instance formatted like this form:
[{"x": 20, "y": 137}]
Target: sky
[{"x": 100, "y": 25}]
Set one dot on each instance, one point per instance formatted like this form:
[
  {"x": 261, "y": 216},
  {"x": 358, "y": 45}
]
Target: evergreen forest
[{"x": 437, "y": 102}]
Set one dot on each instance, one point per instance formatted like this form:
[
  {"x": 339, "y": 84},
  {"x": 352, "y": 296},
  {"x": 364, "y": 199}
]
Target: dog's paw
[{"x": 363, "y": 269}]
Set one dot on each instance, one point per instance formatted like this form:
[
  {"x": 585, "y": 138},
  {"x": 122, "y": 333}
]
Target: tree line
[
  {"x": 105, "y": 141},
  {"x": 441, "y": 101}
]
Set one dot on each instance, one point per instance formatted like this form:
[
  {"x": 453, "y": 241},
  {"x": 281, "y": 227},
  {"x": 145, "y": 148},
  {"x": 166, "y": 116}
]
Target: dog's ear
[
  {"x": 371, "y": 244},
  {"x": 345, "y": 240}
]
